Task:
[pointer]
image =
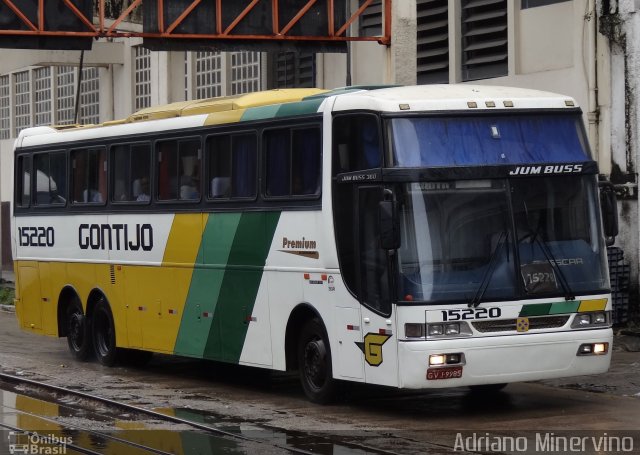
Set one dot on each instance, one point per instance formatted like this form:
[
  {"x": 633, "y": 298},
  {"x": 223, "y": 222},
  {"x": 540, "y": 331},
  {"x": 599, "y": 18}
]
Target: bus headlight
[
  {"x": 449, "y": 329},
  {"x": 452, "y": 329},
  {"x": 590, "y": 320}
]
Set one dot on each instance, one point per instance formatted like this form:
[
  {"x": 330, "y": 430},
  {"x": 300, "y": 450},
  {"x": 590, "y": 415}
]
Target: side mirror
[
  {"x": 389, "y": 225},
  {"x": 609, "y": 209}
]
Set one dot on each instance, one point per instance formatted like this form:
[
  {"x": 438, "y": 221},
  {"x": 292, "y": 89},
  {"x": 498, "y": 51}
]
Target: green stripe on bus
[
  {"x": 564, "y": 307},
  {"x": 282, "y": 110},
  {"x": 541, "y": 309},
  {"x": 240, "y": 285},
  {"x": 206, "y": 283}
]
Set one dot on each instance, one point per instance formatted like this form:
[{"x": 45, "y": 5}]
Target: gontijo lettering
[{"x": 116, "y": 237}]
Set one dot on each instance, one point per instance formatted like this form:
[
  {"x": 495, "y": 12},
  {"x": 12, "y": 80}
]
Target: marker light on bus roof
[
  {"x": 490, "y": 103},
  {"x": 508, "y": 103},
  {"x": 472, "y": 104},
  {"x": 404, "y": 107}
]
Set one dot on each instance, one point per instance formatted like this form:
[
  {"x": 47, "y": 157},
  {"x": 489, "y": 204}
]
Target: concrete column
[{"x": 403, "y": 43}]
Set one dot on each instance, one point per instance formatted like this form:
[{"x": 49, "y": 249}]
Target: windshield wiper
[{"x": 488, "y": 273}]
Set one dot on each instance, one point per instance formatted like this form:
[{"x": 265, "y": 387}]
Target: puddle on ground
[{"x": 60, "y": 420}]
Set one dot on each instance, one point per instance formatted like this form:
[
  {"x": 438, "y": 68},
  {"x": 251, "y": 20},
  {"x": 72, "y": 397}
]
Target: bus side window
[
  {"x": 293, "y": 158},
  {"x": 51, "y": 178},
  {"x": 232, "y": 165},
  {"x": 23, "y": 182},
  {"x": 356, "y": 143},
  {"x": 179, "y": 169},
  {"x": 131, "y": 167},
  {"x": 89, "y": 176}
]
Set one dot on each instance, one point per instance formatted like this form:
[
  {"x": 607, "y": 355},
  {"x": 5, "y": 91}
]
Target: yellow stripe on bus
[{"x": 592, "y": 305}]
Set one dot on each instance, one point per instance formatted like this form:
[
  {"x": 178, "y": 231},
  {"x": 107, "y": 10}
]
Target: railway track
[{"x": 34, "y": 423}]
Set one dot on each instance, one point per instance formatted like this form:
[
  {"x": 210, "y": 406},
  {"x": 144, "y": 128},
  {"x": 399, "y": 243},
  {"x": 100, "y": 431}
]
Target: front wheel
[
  {"x": 314, "y": 362},
  {"x": 104, "y": 334},
  {"x": 78, "y": 332}
]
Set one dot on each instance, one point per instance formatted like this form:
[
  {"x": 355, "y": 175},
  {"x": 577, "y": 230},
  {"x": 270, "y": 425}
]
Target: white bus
[{"x": 413, "y": 237}]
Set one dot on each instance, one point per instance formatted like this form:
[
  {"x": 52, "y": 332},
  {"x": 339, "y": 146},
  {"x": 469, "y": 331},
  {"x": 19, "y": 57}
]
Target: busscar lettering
[
  {"x": 549, "y": 169},
  {"x": 115, "y": 237}
]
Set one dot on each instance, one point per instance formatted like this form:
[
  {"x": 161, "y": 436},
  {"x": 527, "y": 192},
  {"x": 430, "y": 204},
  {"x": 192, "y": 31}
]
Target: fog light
[
  {"x": 600, "y": 348},
  {"x": 414, "y": 330},
  {"x": 437, "y": 359},
  {"x": 435, "y": 329},
  {"x": 453, "y": 358},
  {"x": 585, "y": 349},
  {"x": 452, "y": 329},
  {"x": 593, "y": 349}
]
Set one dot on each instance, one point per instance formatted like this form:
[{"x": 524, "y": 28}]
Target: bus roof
[
  {"x": 294, "y": 102},
  {"x": 451, "y": 97}
]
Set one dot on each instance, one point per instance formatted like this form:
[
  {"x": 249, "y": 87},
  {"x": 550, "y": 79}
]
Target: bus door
[{"x": 378, "y": 322}]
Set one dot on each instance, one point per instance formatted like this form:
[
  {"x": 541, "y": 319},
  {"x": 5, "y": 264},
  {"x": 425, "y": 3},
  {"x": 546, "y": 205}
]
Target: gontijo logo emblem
[{"x": 372, "y": 347}]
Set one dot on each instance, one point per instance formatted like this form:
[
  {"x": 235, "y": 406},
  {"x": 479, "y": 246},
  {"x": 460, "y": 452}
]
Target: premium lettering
[
  {"x": 299, "y": 244},
  {"x": 116, "y": 237}
]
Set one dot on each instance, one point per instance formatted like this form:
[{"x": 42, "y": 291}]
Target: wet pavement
[{"x": 365, "y": 420}]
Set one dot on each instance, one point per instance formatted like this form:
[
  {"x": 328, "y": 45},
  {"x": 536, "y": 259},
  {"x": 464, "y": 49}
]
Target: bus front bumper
[{"x": 503, "y": 359}]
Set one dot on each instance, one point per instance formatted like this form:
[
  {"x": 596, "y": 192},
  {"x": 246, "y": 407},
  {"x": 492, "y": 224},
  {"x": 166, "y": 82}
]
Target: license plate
[{"x": 444, "y": 373}]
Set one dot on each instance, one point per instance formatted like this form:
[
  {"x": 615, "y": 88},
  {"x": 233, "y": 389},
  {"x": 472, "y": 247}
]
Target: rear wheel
[
  {"x": 104, "y": 334},
  {"x": 314, "y": 362},
  {"x": 78, "y": 332}
]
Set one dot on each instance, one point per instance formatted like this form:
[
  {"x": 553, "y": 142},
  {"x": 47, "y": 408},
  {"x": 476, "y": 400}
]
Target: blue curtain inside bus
[
  {"x": 473, "y": 141},
  {"x": 244, "y": 166}
]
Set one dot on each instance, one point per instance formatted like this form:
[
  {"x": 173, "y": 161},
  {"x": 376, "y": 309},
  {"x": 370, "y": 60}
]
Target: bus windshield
[
  {"x": 488, "y": 140},
  {"x": 475, "y": 240}
]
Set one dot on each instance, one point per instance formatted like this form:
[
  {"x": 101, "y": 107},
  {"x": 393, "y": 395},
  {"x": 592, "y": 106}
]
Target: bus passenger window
[
  {"x": 293, "y": 161},
  {"x": 356, "y": 143},
  {"x": 23, "y": 181},
  {"x": 131, "y": 167},
  {"x": 232, "y": 161},
  {"x": 89, "y": 176},
  {"x": 51, "y": 178},
  {"x": 179, "y": 170}
]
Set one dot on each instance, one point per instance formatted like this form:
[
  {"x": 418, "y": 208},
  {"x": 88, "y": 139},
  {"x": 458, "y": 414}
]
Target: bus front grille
[{"x": 509, "y": 325}]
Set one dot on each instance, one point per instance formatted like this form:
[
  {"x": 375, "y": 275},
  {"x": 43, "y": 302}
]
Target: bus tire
[
  {"x": 104, "y": 334},
  {"x": 78, "y": 332},
  {"x": 314, "y": 363}
]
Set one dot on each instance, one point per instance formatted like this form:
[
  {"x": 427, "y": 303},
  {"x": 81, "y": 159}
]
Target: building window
[
  {"x": 293, "y": 70},
  {"x": 142, "y": 65},
  {"x": 245, "y": 72},
  {"x": 22, "y": 86},
  {"x": 433, "y": 41},
  {"x": 371, "y": 19},
  {"x": 90, "y": 96},
  {"x": 484, "y": 39},
  {"x": 42, "y": 80},
  {"x": 65, "y": 89},
  {"x": 534, "y": 3},
  {"x": 208, "y": 74},
  {"x": 5, "y": 108}
]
